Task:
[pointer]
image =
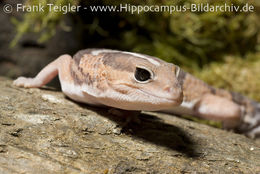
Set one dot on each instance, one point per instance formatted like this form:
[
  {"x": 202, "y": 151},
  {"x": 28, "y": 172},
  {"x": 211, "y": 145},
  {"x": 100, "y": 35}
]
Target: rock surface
[{"x": 44, "y": 132}]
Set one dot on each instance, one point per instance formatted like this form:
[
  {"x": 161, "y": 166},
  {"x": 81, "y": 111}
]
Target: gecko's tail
[{"x": 250, "y": 122}]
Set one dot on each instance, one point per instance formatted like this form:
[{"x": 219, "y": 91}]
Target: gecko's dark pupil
[{"x": 142, "y": 74}]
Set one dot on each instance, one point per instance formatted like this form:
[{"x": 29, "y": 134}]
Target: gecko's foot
[
  {"x": 250, "y": 124},
  {"x": 251, "y": 128},
  {"x": 131, "y": 116},
  {"x": 249, "y": 131},
  {"x": 24, "y": 82},
  {"x": 254, "y": 133}
]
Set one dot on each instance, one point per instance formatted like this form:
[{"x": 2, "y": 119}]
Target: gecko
[{"x": 138, "y": 82}]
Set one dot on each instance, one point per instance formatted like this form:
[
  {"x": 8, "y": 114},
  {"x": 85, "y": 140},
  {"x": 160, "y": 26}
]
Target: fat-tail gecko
[{"x": 132, "y": 81}]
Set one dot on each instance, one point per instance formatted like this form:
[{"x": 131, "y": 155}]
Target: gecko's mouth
[{"x": 176, "y": 100}]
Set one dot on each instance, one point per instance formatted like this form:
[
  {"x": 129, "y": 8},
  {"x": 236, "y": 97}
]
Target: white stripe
[
  {"x": 184, "y": 108},
  {"x": 97, "y": 52},
  {"x": 178, "y": 72},
  {"x": 188, "y": 105}
]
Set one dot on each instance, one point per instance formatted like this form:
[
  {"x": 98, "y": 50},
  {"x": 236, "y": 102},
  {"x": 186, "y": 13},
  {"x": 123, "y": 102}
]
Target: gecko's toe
[
  {"x": 254, "y": 133},
  {"x": 22, "y": 82}
]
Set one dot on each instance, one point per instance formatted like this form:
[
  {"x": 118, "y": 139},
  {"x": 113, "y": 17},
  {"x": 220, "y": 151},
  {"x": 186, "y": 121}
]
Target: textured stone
[{"x": 38, "y": 135}]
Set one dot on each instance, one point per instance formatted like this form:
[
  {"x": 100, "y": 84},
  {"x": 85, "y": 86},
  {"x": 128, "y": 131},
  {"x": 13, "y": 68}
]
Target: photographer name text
[
  {"x": 49, "y": 7},
  {"x": 129, "y": 8}
]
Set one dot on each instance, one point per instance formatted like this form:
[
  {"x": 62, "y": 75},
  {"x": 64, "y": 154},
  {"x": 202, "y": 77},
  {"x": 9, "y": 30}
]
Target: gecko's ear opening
[{"x": 142, "y": 75}]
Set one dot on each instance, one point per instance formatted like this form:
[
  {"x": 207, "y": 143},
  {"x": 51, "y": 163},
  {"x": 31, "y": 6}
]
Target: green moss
[
  {"x": 44, "y": 22},
  {"x": 187, "y": 38},
  {"x": 212, "y": 123},
  {"x": 236, "y": 74}
]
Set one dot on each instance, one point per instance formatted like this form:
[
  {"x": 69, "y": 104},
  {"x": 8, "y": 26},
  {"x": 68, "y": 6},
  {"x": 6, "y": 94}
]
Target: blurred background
[{"x": 222, "y": 48}]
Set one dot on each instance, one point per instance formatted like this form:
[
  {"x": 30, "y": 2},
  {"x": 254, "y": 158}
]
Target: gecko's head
[{"x": 140, "y": 82}]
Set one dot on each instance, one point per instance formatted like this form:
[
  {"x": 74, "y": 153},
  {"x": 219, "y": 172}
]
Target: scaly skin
[{"x": 132, "y": 81}]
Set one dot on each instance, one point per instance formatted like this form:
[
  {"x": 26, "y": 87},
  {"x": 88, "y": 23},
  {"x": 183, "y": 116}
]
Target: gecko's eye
[{"x": 142, "y": 75}]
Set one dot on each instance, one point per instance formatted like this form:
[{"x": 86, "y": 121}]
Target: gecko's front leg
[
  {"x": 46, "y": 74},
  {"x": 131, "y": 116}
]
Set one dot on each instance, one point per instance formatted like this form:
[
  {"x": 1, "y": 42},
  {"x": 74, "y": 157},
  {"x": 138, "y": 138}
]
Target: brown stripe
[
  {"x": 238, "y": 98},
  {"x": 77, "y": 57},
  {"x": 74, "y": 74},
  {"x": 78, "y": 76},
  {"x": 86, "y": 77},
  {"x": 181, "y": 77},
  {"x": 212, "y": 90},
  {"x": 118, "y": 61}
]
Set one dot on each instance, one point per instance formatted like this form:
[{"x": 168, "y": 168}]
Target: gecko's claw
[
  {"x": 250, "y": 124},
  {"x": 254, "y": 133},
  {"x": 23, "y": 82}
]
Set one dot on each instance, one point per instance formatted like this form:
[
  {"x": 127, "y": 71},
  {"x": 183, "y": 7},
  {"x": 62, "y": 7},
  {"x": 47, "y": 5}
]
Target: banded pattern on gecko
[{"x": 132, "y": 81}]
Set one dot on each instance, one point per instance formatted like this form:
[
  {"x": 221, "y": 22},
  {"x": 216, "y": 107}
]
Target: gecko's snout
[{"x": 174, "y": 93}]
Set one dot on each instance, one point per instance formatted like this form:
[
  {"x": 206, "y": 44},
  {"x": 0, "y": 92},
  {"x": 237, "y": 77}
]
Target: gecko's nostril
[{"x": 168, "y": 89}]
